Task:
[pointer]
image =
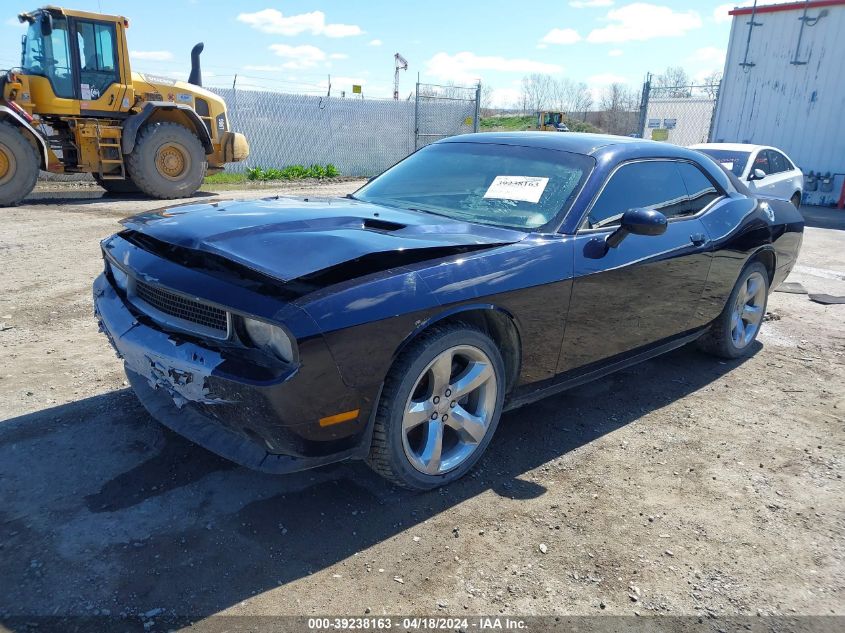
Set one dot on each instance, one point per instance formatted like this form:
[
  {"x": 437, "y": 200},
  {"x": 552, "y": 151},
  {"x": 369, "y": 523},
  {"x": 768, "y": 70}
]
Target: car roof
[
  {"x": 625, "y": 147},
  {"x": 741, "y": 147},
  {"x": 577, "y": 142}
]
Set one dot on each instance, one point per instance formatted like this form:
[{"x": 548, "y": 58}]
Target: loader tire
[
  {"x": 18, "y": 165},
  {"x": 118, "y": 187},
  {"x": 168, "y": 161}
]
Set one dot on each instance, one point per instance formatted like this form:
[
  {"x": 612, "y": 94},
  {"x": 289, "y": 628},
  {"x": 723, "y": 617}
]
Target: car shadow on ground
[
  {"x": 105, "y": 509},
  {"x": 824, "y": 217}
]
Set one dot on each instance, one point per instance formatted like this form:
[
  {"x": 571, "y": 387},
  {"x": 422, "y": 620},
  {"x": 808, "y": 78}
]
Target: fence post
[
  {"x": 644, "y": 104},
  {"x": 714, "y": 111},
  {"x": 417, "y": 117},
  {"x": 477, "y": 107}
]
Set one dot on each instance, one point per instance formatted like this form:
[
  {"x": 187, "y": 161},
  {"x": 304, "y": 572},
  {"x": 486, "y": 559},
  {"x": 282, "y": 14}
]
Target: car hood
[{"x": 287, "y": 238}]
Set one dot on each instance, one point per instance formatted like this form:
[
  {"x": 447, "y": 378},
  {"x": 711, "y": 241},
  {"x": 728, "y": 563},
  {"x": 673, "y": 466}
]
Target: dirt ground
[{"x": 686, "y": 486}]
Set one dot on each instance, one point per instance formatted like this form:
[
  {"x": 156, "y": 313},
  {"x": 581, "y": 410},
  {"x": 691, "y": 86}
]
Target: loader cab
[{"x": 76, "y": 62}]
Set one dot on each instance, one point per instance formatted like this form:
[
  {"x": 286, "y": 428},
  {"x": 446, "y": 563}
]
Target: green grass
[
  {"x": 293, "y": 172},
  {"x": 225, "y": 178},
  {"x": 519, "y": 123}
]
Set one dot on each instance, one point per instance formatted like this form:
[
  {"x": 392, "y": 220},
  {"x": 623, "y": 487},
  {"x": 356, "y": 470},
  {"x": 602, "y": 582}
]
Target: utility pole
[{"x": 399, "y": 63}]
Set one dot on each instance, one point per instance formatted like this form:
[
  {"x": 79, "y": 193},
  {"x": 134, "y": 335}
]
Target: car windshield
[
  {"x": 732, "y": 160},
  {"x": 503, "y": 185}
]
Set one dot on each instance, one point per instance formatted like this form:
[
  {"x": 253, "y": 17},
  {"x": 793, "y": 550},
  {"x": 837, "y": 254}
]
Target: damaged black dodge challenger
[{"x": 395, "y": 325}]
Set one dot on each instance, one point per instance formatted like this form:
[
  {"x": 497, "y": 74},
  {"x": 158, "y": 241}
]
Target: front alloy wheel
[
  {"x": 449, "y": 410},
  {"x": 439, "y": 408}
]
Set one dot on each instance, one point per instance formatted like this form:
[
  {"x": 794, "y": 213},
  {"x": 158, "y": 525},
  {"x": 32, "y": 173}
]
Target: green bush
[{"x": 293, "y": 172}]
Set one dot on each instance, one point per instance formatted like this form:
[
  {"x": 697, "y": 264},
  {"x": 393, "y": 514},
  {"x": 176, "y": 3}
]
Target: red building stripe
[{"x": 789, "y": 6}]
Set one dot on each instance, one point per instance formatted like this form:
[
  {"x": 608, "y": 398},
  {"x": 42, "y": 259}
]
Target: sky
[{"x": 293, "y": 46}]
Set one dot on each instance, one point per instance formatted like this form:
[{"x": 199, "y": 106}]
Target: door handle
[
  {"x": 697, "y": 239},
  {"x": 111, "y": 99}
]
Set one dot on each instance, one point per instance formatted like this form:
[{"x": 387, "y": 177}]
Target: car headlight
[
  {"x": 269, "y": 337},
  {"x": 121, "y": 279}
]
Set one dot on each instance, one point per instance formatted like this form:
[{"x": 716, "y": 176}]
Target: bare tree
[
  {"x": 535, "y": 91},
  {"x": 673, "y": 82},
  {"x": 619, "y": 104},
  {"x": 486, "y": 100},
  {"x": 711, "y": 84},
  {"x": 583, "y": 100},
  {"x": 566, "y": 95}
]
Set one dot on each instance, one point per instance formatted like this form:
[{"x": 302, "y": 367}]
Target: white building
[{"x": 784, "y": 85}]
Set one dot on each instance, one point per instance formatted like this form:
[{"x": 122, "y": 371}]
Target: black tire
[
  {"x": 796, "y": 200},
  {"x": 387, "y": 453},
  {"x": 719, "y": 339},
  {"x": 118, "y": 187},
  {"x": 146, "y": 171},
  {"x": 18, "y": 165}
]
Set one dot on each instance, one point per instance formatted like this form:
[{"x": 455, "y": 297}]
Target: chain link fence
[
  {"x": 443, "y": 111},
  {"x": 681, "y": 115},
  {"x": 361, "y": 137}
]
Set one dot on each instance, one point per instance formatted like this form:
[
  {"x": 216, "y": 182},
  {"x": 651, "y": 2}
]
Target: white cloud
[
  {"x": 304, "y": 56},
  {"x": 338, "y": 56},
  {"x": 709, "y": 55},
  {"x": 720, "y": 13},
  {"x": 346, "y": 83},
  {"x": 605, "y": 79},
  {"x": 643, "y": 21},
  {"x": 615, "y": 52},
  {"x": 561, "y": 36},
  {"x": 154, "y": 56},
  {"x": 467, "y": 67},
  {"x": 589, "y": 4},
  {"x": 375, "y": 42},
  {"x": 263, "y": 68},
  {"x": 273, "y": 21},
  {"x": 506, "y": 97}
]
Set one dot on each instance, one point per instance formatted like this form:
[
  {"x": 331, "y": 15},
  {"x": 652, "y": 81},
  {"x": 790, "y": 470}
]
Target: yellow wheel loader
[{"x": 75, "y": 106}]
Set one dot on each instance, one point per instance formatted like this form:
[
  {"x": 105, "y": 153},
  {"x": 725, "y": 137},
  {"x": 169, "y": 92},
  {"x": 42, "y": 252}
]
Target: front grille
[{"x": 183, "y": 308}]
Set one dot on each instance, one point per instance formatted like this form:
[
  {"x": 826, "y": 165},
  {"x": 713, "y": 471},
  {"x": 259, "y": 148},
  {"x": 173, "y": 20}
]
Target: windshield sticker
[
  {"x": 524, "y": 188},
  {"x": 85, "y": 89}
]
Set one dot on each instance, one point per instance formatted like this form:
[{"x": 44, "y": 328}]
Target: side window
[
  {"x": 779, "y": 162},
  {"x": 649, "y": 184},
  {"x": 700, "y": 190},
  {"x": 97, "y": 58},
  {"x": 761, "y": 161}
]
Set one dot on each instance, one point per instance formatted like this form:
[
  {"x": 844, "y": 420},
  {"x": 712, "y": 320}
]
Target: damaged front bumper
[{"x": 206, "y": 394}]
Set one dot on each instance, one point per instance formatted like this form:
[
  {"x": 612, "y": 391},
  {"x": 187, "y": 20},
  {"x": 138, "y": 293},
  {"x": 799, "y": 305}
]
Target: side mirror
[
  {"x": 46, "y": 24},
  {"x": 756, "y": 174},
  {"x": 638, "y": 222},
  {"x": 634, "y": 222}
]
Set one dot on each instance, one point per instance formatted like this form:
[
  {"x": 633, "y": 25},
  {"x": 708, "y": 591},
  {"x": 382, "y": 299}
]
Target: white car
[{"x": 764, "y": 170}]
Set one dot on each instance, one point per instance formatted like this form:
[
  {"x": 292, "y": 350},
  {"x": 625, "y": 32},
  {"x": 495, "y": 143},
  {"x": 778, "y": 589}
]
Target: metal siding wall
[{"x": 799, "y": 108}]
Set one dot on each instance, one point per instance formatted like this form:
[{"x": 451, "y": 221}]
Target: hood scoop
[{"x": 375, "y": 224}]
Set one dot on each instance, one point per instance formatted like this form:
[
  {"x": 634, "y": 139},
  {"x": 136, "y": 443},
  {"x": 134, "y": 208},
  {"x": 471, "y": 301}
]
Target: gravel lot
[{"x": 683, "y": 486}]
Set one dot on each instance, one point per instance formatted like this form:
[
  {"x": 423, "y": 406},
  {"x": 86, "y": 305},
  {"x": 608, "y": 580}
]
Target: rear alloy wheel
[
  {"x": 439, "y": 408},
  {"x": 732, "y": 333},
  {"x": 18, "y": 165},
  {"x": 168, "y": 161}
]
